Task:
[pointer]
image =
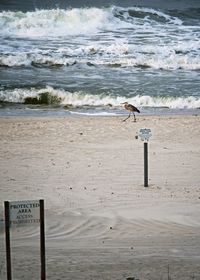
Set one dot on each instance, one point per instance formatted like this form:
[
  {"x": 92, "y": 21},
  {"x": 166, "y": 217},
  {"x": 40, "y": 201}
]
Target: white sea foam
[
  {"x": 116, "y": 54},
  {"x": 80, "y": 99},
  {"x": 56, "y": 22},
  {"x": 60, "y": 22}
]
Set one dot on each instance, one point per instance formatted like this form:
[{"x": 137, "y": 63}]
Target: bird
[{"x": 131, "y": 109}]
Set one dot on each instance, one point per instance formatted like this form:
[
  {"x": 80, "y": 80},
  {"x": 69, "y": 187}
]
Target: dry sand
[{"x": 101, "y": 223}]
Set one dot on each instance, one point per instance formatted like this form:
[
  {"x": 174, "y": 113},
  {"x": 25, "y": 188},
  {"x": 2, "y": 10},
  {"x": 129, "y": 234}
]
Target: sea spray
[{"x": 55, "y": 22}]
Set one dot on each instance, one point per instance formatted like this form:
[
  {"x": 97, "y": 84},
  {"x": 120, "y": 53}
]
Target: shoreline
[
  {"x": 72, "y": 116},
  {"x": 22, "y": 110}
]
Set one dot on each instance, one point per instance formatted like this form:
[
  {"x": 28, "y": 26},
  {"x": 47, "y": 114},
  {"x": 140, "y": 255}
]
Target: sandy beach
[{"x": 101, "y": 223}]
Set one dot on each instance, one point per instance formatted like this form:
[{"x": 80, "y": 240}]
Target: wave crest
[
  {"x": 148, "y": 14},
  {"x": 53, "y": 23},
  {"x": 60, "y": 22},
  {"x": 53, "y": 96}
]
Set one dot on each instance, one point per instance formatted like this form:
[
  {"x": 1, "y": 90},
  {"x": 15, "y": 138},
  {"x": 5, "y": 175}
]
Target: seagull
[{"x": 131, "y": 109}]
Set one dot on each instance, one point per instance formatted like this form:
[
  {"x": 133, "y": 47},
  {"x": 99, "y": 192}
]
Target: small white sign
[
  {"x": 24, "y": 212},
  {"x": 145, "y": 134}
]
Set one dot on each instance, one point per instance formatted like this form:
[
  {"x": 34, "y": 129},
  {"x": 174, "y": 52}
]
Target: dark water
[
  {"x": 28, "y": 5},
  {"x": 60, "y": 57}
]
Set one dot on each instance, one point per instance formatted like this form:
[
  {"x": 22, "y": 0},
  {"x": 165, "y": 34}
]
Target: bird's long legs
[{"x": 129, "y": 117}]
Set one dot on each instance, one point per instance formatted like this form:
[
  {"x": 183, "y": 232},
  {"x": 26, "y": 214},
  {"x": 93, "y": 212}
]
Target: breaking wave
[
  {"x": 60, "y": 22},
  {"x": 115, "y": 55},
  {"x": 51, "y": 96},
  {"x": 55, "y": 22}
]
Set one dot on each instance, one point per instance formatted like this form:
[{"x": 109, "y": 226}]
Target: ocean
[{"x": 87, "y": 57}]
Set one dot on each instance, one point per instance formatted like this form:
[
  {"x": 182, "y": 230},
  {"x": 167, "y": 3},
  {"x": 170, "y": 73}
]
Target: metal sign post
[
  {"x": 145, "y": 134},
  {"x": 42, "y": 241},
  {"x": 146, "y": 164},
  {"x": 22, "y": 213},
  {"x": 7, "y": 234}
]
